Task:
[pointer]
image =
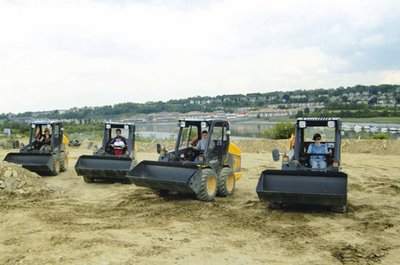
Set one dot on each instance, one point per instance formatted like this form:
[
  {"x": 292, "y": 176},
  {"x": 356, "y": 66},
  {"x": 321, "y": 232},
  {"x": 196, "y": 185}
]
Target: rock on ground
[{"x": 15, "y": 179}]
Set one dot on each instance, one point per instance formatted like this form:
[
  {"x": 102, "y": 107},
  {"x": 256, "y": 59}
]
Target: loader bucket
[
  {"x": 169, "y": 176},
  {"x": 103, "y": 167},
  {"x": 39, "y": 163},
  {"x": 303, "y": 187}
]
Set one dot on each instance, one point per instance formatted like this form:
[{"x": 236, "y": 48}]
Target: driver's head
[
  {"x": 204, "y": 134},
  {"x": 317, "y": 137},
  {"x": 118, "y": 131}
]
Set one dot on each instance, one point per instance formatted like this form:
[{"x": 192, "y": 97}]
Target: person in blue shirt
[{"x": 318, "y": 162}]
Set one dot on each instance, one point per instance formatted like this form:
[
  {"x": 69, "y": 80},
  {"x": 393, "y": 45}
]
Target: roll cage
[
  {"x": 127, "y": 131},
  {"x": 37, "y": 130},
  {"x": 329, "y": 128}
]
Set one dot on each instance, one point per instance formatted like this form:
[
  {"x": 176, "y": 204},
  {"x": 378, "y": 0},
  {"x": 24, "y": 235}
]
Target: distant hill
[{"x": 372, "y": 98}]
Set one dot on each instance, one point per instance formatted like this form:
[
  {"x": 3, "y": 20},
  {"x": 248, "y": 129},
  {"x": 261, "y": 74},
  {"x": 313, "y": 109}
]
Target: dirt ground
[{"x": 72, "y": 222}]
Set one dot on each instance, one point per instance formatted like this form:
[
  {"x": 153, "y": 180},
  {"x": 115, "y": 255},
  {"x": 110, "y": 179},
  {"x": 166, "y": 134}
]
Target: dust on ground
[{"x": 105, "y": 223}]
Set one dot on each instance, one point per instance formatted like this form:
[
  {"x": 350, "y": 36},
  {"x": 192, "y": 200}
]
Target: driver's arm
[
  {"x": 198, "y": 146},
  {"x": 194, "y": 141},
  {"x": 309, "y": 151},
  {"x": 327, "y": 151}
]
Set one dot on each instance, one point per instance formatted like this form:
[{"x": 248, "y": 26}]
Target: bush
[
  {"x": 282, "y": 130},
  {"x": 381, "y": 136}
]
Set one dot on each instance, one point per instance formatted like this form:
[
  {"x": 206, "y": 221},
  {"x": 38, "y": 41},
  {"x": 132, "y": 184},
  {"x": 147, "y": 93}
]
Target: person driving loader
[
  {"x": 45, "y": 141},
  {"x": 119, "y": 145},
  {"x": 318, "y": 162},
  {"x": 42, "y": 142},
  {"x": 201, "y": 145}
]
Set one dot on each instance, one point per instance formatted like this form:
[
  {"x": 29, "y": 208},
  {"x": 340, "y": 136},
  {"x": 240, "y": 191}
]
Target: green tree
[
  {"x": 372, "y": 101},
  {"x": 282, "y": 130},
  {"x": 380, "y": 136}
]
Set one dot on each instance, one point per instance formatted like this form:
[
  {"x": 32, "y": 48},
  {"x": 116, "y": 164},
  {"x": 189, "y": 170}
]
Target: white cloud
[
  {"x": 104, "y": 52},
  {"x": 390, "y": 77}
]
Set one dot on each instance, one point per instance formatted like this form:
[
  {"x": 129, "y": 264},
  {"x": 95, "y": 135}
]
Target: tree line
[{"x": 334, "y": 99}]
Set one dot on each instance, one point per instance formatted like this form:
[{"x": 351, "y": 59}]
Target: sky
[{"x": 60, "y": 54}]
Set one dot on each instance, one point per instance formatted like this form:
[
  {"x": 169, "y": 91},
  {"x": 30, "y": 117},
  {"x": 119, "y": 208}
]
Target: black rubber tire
[
  {"x": 63, "y": 162},
  {"x": 56, "y": 167},
  {"x": 226, "y": 182},
  {"x": 87, "y": 179},
  {"x": 208, "y": 185}
]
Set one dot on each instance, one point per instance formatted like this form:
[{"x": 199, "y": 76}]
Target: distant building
[{"x": 7, "y": 132}]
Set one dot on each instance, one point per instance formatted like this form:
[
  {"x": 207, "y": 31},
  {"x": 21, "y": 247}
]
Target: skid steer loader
[
  {"x": 297, "y": 182},
  {"x": 213, "y": 171},
  {"x": 105, "y": 163},
  {"x": 49, "y": 161}
]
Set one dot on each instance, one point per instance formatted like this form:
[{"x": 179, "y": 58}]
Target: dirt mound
[
  {"x": 378, "y": 147},
  {"x": 17, "y": 180},
  {"x": 262, "y": 146}
]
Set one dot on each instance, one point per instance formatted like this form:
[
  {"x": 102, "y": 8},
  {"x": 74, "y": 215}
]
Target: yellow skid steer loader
[
  {"x": 209, "y": 168},
  {"x": 43, "y": 157}
]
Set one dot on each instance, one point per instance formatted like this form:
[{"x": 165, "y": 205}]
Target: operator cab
[
  {"x": 305, "y": 129},
  {"x": 190, "y": 132},
  {"x": 327, "y": 138},
  {"x": 127, "y": 133},
  {"x": 37, "y": 130}
]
